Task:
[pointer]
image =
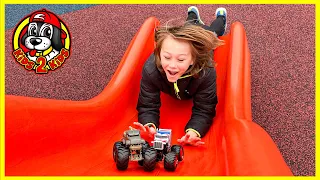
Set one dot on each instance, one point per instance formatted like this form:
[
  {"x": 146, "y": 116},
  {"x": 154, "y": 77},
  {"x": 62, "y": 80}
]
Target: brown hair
[{"x": 202, "y": 42}]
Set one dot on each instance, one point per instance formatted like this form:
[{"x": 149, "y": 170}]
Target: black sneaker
[
  {"x": 222, "y": 12},
  {"x": 193, "y": 15}
]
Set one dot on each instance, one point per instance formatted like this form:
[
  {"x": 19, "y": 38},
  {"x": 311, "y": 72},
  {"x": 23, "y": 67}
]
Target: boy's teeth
[{"x": 172, "y": 73}]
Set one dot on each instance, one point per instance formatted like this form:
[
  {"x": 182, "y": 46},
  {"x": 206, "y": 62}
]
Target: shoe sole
[{"x": 197, "y": 13}]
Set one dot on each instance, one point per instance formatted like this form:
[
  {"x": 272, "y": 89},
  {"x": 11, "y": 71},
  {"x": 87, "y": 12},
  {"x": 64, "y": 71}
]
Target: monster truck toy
[
  {"x": 170, "y": 154},
  {"x": 132, "y": 147}
]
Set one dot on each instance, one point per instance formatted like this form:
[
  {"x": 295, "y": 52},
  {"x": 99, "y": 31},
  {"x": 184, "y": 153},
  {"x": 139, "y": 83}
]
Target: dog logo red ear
[
  {"x": 63, "y": 34},
  {"x": 46, "y": 47}
]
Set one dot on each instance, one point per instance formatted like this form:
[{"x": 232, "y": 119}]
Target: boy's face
[{"x": 175, "y": 57}]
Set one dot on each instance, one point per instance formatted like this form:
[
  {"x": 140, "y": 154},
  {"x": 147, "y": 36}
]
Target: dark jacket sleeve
[
  {"x": 204, "y": 104},
  {"x": 149, "y": 100}
]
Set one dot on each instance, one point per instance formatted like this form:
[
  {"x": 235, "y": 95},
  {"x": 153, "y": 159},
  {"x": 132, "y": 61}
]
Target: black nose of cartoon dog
[{"x": 35, "y": 41}]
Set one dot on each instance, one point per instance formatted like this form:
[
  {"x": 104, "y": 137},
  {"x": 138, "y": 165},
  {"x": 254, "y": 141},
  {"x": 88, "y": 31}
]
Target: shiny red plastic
[{"x": 59, "y": 137}]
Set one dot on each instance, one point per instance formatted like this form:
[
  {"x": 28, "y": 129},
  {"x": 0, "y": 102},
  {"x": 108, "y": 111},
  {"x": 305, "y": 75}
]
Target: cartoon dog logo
[{"x": 41, "y": 42}]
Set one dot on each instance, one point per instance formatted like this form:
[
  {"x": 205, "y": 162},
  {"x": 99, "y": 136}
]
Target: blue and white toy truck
[{"x": 171, "y": 154}]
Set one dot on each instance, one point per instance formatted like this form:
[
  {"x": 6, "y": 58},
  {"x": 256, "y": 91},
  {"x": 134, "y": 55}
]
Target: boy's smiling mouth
[{"x": 172, "y": 73}]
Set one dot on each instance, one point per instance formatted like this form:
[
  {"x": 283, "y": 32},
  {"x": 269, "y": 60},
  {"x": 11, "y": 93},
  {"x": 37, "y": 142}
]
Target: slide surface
[{"x": 59, "y": 137}]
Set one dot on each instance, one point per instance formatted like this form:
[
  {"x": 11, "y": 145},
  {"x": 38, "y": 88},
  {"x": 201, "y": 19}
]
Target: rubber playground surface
[{"x": 282, "y": 49}]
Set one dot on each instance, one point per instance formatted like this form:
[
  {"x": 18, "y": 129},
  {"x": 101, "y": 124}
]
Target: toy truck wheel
[
  {"x": 150, "y": 159},
  {"x": 140, "y": 162},
  {"x": 115, "y": 149},
  {"x": 122, "y": 158},
  {"x": 179, "y": 151},
  {"x": 171, "y": 161},
  {"x": 145, "y": 146}
]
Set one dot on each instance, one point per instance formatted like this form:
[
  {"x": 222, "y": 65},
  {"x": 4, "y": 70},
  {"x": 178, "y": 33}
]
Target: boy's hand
[
  {"x": 149, "y": 131},
  {"x": 190, "y": 138}
]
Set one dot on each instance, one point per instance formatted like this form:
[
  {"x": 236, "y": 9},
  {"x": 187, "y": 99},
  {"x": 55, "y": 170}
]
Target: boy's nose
[{"x": 172, "y": 65}]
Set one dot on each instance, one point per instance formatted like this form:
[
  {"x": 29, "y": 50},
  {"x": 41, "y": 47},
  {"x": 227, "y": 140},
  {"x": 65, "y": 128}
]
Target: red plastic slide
[{"x": 59, "y": 137}]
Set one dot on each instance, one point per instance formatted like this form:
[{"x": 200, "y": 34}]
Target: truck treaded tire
[
  {"x": 140, "y": 162},
  {"x": 145, "y": 146},
  {"x": 122, "y": 159},
  {"x": 116, "y": 146},
  {"x": 179, "y": 151},
  {"x": 171, "y": 161},
  {"x": 150, "y": 159}
]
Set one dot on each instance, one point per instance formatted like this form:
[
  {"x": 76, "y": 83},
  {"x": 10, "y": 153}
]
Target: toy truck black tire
[
  {"x": 140, "y": 162},
  {"x": 122, "y": 158},
  {"x": 145, "y": 146},
  {"x": 116, "y": 146},
  {"x": 179, "y": 151},
  {"x": 150, "y": 159},
  {"x": 171, "y": 161}
]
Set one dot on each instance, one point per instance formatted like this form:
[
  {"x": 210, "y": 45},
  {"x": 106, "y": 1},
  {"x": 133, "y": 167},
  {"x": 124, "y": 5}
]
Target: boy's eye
[{"x": 181, "y": 59}]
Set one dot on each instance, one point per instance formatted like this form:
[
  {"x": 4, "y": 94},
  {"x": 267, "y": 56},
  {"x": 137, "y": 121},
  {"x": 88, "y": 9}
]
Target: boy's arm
[
  {"x": 149, "y": 101},
  {"x": 204, "y": 104}
]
